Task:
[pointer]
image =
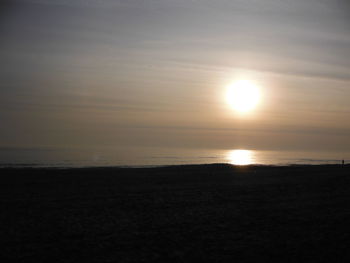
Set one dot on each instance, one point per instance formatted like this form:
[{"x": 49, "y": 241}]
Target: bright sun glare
[
  {"x": 240, "y": 157},
  {"x": 243, "y": 96}
]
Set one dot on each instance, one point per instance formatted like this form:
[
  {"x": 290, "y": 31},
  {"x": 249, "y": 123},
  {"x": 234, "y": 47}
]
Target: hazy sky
[{"x": 103, "y": 73}]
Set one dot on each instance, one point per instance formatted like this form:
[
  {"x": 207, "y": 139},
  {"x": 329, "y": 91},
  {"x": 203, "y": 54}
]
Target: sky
[{"x": 153, "y": 73}]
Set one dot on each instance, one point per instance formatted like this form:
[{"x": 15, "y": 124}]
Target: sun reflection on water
[{"x": 240, "y": 157}]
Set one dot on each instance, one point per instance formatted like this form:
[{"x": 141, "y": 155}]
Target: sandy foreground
[{"x": 204, "y": 213}]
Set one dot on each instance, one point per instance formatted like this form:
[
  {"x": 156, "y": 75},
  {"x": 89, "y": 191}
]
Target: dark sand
[{"x": 207, "y": 213}]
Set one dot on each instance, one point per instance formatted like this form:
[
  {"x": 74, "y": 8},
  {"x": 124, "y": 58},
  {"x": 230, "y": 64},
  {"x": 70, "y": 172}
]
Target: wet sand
[{"x": 204, "y": 213}]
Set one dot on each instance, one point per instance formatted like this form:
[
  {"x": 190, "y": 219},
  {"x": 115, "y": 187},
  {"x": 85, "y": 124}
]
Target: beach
[{"x": 204, "y": 213}]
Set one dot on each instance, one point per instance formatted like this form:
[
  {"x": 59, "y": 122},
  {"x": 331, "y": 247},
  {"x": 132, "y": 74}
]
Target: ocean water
[{"x": 155, "y": 156}]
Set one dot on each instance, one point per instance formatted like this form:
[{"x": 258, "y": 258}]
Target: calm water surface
[{"x": 136, "y": 156}]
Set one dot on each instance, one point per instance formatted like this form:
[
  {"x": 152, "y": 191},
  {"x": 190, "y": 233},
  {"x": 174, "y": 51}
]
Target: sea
[{"x": 160, "y": 156}]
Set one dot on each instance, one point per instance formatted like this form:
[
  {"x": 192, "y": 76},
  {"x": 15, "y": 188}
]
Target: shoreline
[{"x": 40, "y": 166}]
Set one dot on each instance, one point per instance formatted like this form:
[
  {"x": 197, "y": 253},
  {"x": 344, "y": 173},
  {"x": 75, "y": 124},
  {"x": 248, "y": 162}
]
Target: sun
[
  {"x": 243, "y": 96},
  {"x": 240, "y": 157}
]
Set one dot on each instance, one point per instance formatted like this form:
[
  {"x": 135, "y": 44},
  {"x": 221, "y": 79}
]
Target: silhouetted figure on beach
[{"x": 342, "y": 162}]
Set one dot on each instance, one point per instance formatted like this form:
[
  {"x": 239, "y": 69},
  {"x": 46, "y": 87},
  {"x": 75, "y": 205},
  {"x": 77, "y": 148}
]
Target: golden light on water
[
  {"x": 243, "y": 95},
  {"x": 240, "y": 157}
]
